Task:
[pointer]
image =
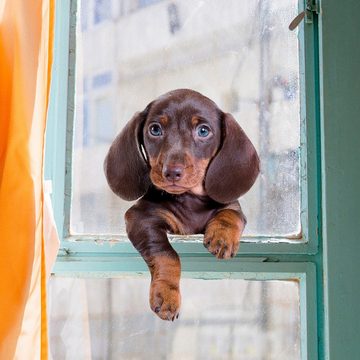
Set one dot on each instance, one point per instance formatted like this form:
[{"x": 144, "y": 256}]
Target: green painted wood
[
  {"x": 340, "y": 120},
  {"x": 57, "y": 113},
  {"x": 310, "y": 144},
  {"x": 237, "y": 268},
  {"x": 311, "y": 183},
  {"x": 309, "y": 314},
  {"x": 92, "y": 244},
  {"x": 69, "y": 141}
]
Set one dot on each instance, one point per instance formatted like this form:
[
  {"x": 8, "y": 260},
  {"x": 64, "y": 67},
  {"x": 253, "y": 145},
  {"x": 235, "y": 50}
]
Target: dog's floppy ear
[
  {"x": 125, "y": 167},
  {"x": 235, "y": 167}
]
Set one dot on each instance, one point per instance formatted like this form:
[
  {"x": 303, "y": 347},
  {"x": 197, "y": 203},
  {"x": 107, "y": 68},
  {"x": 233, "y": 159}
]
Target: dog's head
[{"x": 182, "y": 142}]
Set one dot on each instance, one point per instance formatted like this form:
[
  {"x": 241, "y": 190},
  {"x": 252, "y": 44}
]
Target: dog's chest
[{"x": 193, "y": 212}]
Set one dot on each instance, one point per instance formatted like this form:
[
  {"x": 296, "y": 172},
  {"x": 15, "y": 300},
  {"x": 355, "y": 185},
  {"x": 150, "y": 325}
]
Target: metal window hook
[{"x": 311, "y": 7}]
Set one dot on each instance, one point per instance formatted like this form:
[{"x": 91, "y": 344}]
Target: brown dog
[{"x": 190, "y": 162}]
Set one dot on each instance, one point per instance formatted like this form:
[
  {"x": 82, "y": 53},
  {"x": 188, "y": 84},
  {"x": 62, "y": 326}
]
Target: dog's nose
[{"x": 173, "y": 172}]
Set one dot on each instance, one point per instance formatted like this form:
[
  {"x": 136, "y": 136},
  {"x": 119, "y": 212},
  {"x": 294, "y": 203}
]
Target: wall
[{"x": 340, "y": 112}]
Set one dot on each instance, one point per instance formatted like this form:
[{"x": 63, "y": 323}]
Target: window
[
  {"x": 255, "y": 76},
  {"x": 143, "y": 3},
  {"x": 102, "y": 10},
  {"x": 84, "y": 19},
  {"x": 242, "y": 56},
  {"x": 222, "y": 319}
]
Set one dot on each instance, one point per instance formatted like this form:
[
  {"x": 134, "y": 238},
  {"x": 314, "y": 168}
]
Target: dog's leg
[
  {"x": 148, "y": 234},
  {"x": 223, "y": 232}
]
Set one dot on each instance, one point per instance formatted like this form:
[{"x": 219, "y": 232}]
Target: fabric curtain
[{"x": 26, "y": 36}]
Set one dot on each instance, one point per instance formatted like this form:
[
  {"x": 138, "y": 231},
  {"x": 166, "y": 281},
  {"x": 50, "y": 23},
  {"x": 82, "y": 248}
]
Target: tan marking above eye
[
  {"x": 194, "y": 121},
  {"x": 163, "y": 120}
]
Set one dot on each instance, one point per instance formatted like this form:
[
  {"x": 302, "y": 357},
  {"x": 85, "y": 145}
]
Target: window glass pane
[
  {"x": 241, "y": 55},
  {"x": 219, "y": 319},
  {"x": 102, "y": 10}
]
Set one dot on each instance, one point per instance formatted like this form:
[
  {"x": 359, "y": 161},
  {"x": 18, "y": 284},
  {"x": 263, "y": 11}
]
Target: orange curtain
[{"x": 26, "y": 35}]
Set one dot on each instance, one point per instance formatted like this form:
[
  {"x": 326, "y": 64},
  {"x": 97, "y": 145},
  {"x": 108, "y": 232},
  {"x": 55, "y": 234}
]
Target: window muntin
[{"x": 246, "y": 60}]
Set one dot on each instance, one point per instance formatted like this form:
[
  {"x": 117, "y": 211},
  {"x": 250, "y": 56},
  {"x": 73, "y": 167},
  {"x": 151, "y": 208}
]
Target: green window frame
[{"x": 310, "y": 261}]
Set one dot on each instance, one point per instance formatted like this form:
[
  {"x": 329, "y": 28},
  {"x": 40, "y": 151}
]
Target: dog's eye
[
  {"x": 203, "y": 131},
  {"x": 155, "y": 130}
]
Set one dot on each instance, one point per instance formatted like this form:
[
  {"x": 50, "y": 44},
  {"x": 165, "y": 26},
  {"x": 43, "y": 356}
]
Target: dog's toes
[
  {"x": 165, "y": 300},
  {"x": 222, "y": 243},
  {"x": 223, "y": 232}
]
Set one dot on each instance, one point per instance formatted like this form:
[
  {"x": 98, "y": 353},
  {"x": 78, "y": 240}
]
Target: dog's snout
[{"x": 173, "y": 172}]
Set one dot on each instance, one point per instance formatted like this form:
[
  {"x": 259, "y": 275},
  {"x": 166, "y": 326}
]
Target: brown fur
[
  {"x": 175, "y": 225},
  {"x": 222, "y": 234},
  {"x": 188, "y": 184},
  {"x": 165, "y": 295},
  {"x": 164, "y": 120},
  {"x": 194, "y": 121}
]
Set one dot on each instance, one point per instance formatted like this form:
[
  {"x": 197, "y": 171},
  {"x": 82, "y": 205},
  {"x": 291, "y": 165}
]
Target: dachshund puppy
[{"x": 189, "y": 162}]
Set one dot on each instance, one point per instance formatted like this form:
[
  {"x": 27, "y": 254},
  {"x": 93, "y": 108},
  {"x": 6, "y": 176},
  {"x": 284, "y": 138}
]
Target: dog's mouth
[{"x": 175, "y": 189}]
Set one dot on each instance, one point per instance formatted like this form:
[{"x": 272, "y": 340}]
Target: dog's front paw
[
  {"x": 222, "y": 234},
  {"x": 165, "y": 299}
]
